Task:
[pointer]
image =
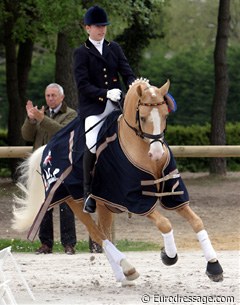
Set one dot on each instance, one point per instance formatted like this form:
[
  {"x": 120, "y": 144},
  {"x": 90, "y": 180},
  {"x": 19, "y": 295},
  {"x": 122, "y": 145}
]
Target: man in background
[{"x": 39, "y": 127}]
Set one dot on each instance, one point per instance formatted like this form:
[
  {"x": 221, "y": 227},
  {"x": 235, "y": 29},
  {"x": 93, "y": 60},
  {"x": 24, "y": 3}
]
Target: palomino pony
[{"x": 135, "y": 170}]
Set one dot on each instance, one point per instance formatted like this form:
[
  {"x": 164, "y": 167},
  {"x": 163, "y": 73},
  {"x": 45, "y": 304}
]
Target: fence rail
[{"x": 207, "y": 151}]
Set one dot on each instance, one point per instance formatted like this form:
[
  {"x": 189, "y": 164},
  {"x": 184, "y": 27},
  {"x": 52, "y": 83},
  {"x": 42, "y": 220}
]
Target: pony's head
[{"x": 146, "y": 109}]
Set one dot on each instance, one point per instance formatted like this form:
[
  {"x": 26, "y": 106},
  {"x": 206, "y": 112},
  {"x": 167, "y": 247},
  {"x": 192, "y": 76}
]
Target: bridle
[{"x": 138, "y": 131}]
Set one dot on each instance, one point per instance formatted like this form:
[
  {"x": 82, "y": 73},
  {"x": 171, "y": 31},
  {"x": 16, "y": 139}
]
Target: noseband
[{"x": 139, "y": 132}]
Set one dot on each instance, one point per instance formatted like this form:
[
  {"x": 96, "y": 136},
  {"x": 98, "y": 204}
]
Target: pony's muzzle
[{"x": 156, "y": 150}]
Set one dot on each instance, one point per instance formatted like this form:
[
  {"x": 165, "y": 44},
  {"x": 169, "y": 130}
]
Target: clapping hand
[{"x": 34, "y": 113}]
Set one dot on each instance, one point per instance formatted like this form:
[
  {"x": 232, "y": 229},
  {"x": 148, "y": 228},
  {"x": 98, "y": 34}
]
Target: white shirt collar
[
  {"x": 57, "y": 108},
  {"x": 97, "y": 44}
]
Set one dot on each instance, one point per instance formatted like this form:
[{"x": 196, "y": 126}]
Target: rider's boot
[{"x": 88, "y": 164}]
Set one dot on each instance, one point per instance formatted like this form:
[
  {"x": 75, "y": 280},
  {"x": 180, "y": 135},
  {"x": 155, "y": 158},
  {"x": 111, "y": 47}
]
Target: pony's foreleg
[
  {"x": 121, "y": 268},
  {"x": 197, "y": 224},
  {"x": 119, "y": 263},
  {"x": 169, "y": 253},
  {"x": 214, "y": 269}
]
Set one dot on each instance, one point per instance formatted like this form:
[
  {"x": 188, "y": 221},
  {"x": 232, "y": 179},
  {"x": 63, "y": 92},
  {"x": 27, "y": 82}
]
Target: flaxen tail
[{"x": 30, "y": 184}]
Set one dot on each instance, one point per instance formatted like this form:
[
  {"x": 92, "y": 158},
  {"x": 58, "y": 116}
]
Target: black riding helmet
[{"x": 95, "y": 15}]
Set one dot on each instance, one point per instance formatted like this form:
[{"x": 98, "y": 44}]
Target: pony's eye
[{"x": 143, "y": 119}]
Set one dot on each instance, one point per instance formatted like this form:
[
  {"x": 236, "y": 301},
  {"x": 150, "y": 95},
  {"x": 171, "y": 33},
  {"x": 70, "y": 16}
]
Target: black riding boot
[{"x": 88, "y": 164}]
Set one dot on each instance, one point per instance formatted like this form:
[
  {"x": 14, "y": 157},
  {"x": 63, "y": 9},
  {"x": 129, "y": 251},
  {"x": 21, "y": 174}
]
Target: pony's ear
[
  {"x": 172, "y": 105},
  {"x": 139, "y": 90},
  {"x": 164, "y": 89}
]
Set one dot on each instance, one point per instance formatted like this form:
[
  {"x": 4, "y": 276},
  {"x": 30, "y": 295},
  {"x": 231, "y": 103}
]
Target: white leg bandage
[
  {"x": 114, "y": 257},
  {"x": 169, "y": 244},
  {"x": 113, "y": 252},
  {"x": 206, "y": 245},
  {"x": 117, "y": 270}
]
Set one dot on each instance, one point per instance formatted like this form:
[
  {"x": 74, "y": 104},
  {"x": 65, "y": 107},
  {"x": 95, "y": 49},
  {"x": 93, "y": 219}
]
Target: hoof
[
  {"x": 214, "y": 271},
  {"x": 94, "y": 247},
  {"x": 129, "y": 271},
  {"x": 168, "y": 261},
  {"x": 132, "y": 276}
]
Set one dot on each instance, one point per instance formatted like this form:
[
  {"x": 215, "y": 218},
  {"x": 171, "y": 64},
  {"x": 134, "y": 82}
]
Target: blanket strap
[
  {"x": 162, "y": 194},
  {"x": 174, "y": 174}
]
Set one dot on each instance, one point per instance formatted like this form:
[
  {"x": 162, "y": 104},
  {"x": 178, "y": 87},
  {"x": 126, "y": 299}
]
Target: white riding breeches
[{"x": 91, "y": 136}]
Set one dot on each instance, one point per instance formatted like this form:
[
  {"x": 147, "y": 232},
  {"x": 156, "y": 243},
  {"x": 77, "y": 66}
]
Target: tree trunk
[
  {"x": 14, "y": 134},
  {"x": 25, "y": 53},
  {"x": 64, "y": 70},
  {"x": 17, "y": 69},
  {"x": 218, "y": 119}
]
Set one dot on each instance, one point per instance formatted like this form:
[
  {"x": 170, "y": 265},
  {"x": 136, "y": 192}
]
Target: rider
[{"x": 98, "y": 65}]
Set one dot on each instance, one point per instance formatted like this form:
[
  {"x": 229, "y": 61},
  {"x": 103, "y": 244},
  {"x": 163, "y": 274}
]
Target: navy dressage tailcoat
[{"x": 95, "y": 74}]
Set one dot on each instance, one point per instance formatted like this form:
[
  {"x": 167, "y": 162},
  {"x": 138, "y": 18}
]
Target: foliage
[
  {"x": 192, "y": 82},
  {"x": 184, "y": 56},
  {"x": 143, "y": 13},
  {"x": 199, "y": 135},
  {"x": 4, "y": 163},
  {"x": 234, "y": 79},
  {"x": 41, "y": 21},
  {"x": 3, "y": 137},
  {"x": 235, "y": 21},
  {"x": 19, "y": 245},
  {"x": 182, "y": 37},
  {"x": 191, "y": 24},
  {"x": 44, "y": 63},
  {"x": 126, "y": 245},
  {"x": 81, "y": 246},
  {"x": 3, "y": 99}
]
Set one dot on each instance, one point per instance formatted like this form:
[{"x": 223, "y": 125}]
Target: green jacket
[{"x": 40, "y": 133}]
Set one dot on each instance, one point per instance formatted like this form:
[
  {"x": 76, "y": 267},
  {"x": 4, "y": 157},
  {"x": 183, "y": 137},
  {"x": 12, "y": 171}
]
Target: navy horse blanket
[{"x": 117, "y": 182}]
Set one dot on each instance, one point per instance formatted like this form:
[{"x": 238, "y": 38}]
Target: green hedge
[
  {"x": 3, "y": 137},
  {"x": 200, "y": 135},
  {"x": 176, "y": 135},
  {"x": 4, "y": 163}
]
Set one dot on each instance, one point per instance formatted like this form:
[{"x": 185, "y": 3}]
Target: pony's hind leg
[
  {"x": 105, "y": 220},
  {"x": 122, "y": 269},
  {"x": 214, "y": 269},
  {"x": 77, "y": 207},
  {"x": 169, "y": 252}
]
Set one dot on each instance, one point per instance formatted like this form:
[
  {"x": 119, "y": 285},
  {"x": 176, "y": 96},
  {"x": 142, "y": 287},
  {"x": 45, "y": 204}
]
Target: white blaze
[
  {"x": 156, "y": 149},
  {"x": 152, "y": 91}
]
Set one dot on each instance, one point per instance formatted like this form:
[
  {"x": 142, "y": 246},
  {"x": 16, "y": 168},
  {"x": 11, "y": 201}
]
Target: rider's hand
[{"x": 114, "y": 95}]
